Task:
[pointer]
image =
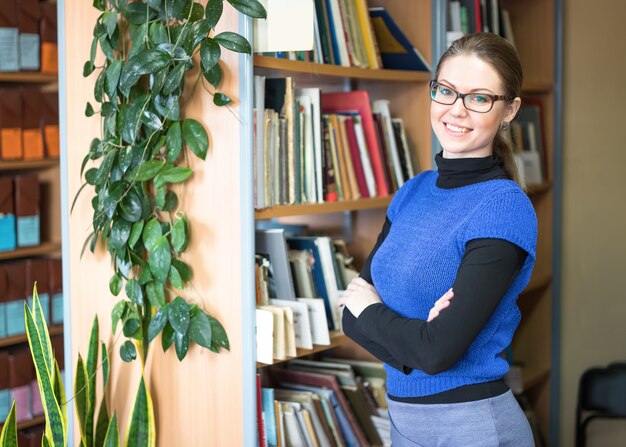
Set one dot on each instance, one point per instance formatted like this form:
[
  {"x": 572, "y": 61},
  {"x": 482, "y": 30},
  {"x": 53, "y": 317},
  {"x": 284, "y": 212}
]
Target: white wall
[{"x": 594, "y": 207}]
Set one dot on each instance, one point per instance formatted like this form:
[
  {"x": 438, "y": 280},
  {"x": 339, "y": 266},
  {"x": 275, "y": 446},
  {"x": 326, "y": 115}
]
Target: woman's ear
[{"x": 511, "y": 109}]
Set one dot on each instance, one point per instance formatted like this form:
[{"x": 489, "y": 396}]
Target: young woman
[{"x": 436, "y": 299}]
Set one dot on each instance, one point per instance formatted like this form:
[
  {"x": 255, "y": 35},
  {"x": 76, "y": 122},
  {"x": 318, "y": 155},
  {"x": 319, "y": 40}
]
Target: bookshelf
[
  {"x": 322, "y": 208},
  {"x": 18, "y": 339}
]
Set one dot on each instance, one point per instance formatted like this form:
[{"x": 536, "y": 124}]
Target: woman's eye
[
  {"x": 480, "y": 99},
  {"x": 445, "y": 91}
]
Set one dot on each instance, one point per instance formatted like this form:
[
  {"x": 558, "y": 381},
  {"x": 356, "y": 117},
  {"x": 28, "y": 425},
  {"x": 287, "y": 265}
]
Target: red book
[
  {"x": 259, "y": 414},
  {"x": 359, "y": 101},
  {"x": 356, "y": 157}
]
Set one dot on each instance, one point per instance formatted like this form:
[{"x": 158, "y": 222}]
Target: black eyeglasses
[{"x": 476, "y": 102}]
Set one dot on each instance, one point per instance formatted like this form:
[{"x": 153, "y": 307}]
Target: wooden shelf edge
[
  {"x": 535, "y": 87},
  {"x": 321, "y": 208},
  {"x": 22, "y": 338},
  {"x": 275, "y": 63},
  {"x": 29, "y": 423},
  {"x": 336, "y": 339},
  {"x": 28, "y": 76},
  {"x": 540, "y": 188},
  {"x": 45, "y": 248},
  {"x": 23, "y": 165}
]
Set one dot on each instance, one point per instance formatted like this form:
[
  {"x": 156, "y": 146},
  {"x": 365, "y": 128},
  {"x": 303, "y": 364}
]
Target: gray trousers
[{"x": 497, "y": 421}]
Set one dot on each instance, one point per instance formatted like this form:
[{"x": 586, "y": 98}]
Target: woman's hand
[
  {"x": 440, "y": 304},
  {"x": 359, "y": 295}
]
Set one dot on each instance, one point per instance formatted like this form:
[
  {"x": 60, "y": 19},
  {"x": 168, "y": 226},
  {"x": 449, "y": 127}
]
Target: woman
[{"x": 436, "y": 299}]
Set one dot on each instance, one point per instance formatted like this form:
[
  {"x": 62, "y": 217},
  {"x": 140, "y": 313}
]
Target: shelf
[
  {"x": 44, "y": 249},
  {"x": 540, "y": 188},
  {"x": 275, "y": 63},
  {"x": 535, "y": 377},
  {"x": 24, "y": 165},
  {"x": 17, "y": 339},
  {"x": 537, "y": 87},
  {"x": 28, "y": 77},
  {"x": 321, "y": 208},
  {"x": 538, "y": 283},
  {"x": 29, "y": 423},
  {"x": 336, "y": 339}
]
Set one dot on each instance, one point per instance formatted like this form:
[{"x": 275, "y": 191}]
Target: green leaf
[
  {"x": 138, "y": 13},
  {"x": 107, "y": 48},
  {"x": 142, "y": 431},
  {"x": 234, "y": 42},
  {"x": 100, "y": 4},
  {"x": 167, "y": 338},
  {"x": 174, "y": 142},
  {"x": 147, "y": 62},
  {"x": 220, "y": 99},
  {"x": 102, "y": 424},
  {"x": 214, "y": 75},
  {"x": 112, "y": 438},
  {"x": 89, "y": 110},
  {"x": 151, "y": 120},
  {"x": 167, "y": 106},
  {"x": 219, "y": 336},
  {"x": 157, "y": 323},
  {"x": 175, "y": 279},
  {"x": 159, "y": 197},
  {"x": 8, "y": 437},
  {"x": 105, "y": 367},
  {"x": 88, "y": 68},
  {"x": 115, "y": 284},
  {"x": 210, "y": 53},
  {"x": 183, "y": 269},
  {"x": 105, "y": 168},
  {"x": 158, "y": 33},
  {"x": 81, "y": 395},
  {"x": 146, "y": 170},
  {"x": 135, "y": 233},
  {"x": 59, "y": 390},
  {"x": 98, "y": 88},
  {"x": 174, "y": 78},
  {"x": 91, "y": 365},
  {"x": 251, "y": 8},
  {"x": 171, "y": 201},
  {"x": 181, "y": 343},
  {"x": 93, "y": 50},
  {"x": 130, "y": 207},
  {"x": 151, "y": 234},
  {"x": 196, "y": 13},
  {"x": 131, "y": 327},
  {"x": 112, "y": 78},
  {"x": 213, "y": 11},
  {"x": 196, "y": 137},
  {"x": 179, "y": 315},
  {"x": 118, "y": 312},
  {"x": 198, "y": 32},
  {"x": 156, "y": 294},
  {"x": 160, "y": 259},
  {"x": 133, "y": 291},
  {"x": 120, "y": 232},
  {"x": 180, "y": 238},
  {"x": 138, "y": 36},
  {"x": 172, "y": 174},
  {"x": 200, "y": 329},
  {"x": 128, "y": 352},
  {"x": 110, "y": 22}
]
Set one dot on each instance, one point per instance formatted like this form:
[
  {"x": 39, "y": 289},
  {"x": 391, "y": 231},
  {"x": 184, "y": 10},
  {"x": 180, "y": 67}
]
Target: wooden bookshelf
[
  {"x": 536, "y": 87},
  {"x": 25, "y": 165},
  {"x": 534, "y": 377},
  {"x": 29, "y": 423},
  {"x": 337, "y": 339},
  {"x": 28, "y": 77},
  {"x": 45, "y": 248},
  {"x": 322, "y": 208},
  {"x": 22, "y": 338},
  {"x": 274, "y": 63},
  {"x": 540, "y": 188}
]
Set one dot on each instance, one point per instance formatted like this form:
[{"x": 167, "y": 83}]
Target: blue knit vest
[{"x": 418, "y": 260}]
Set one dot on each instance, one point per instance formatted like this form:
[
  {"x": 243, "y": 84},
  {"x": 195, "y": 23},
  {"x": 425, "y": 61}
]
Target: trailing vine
[{"x": 142, "y": 153}]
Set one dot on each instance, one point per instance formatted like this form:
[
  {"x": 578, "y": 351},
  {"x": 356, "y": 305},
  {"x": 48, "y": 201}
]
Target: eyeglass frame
[{"x": 494, "y": 98}]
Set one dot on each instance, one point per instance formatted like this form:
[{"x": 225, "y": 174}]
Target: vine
[{"x": 149, "y": 46}]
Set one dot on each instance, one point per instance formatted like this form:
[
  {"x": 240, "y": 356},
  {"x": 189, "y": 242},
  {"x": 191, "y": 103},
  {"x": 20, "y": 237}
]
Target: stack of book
[
  {"x": 314, "y": 147},
  {"x": 470, "y": 16},
  {"x": 527, "y": 137},
  {"x": 332, "y": 402}
]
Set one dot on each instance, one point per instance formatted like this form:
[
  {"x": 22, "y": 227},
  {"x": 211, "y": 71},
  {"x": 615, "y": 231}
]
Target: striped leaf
[
  {"x": 41, "y": 351},
  {"x": 112, "y": 438},
  {"x": 59, "y": 391},
  {"x": 81, "y": 395},
  {"x": 8, "y": 437},
  {"x": 102, "y": 424},
  {"x": 92, "y": 361},
  {"x": 42, "y": 329},
  {"x": 142, "y": 431}
]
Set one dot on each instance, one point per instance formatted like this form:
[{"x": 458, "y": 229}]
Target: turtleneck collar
[{"x": 457, "y": 172}]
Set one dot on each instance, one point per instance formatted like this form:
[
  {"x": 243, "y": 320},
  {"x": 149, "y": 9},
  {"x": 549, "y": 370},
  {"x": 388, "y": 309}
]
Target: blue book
[
  {"x": 396, "y": 51},
  {"x": 269, "y": 416}
]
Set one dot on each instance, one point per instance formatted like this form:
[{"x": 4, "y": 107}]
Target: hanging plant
[{"x": 143, "y": 152}]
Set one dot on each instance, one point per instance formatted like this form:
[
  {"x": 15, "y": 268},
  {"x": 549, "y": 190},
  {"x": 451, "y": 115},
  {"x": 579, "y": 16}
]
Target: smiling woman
[{"x": 437, "y": 297}]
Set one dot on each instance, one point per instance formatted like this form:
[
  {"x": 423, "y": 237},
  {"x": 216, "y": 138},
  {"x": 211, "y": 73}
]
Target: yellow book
[{"x": 369, "y": 38}]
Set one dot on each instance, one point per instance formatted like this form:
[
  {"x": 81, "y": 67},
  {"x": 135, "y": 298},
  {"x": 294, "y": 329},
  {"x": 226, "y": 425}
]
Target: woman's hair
[{"x": 502, "y": 57}]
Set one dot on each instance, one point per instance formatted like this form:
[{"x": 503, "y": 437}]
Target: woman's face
[{"x": 463, "y": 133}]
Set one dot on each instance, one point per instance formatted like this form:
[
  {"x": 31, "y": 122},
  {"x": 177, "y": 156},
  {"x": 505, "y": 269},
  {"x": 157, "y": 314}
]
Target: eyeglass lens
[{"x": 476, "y": 102}]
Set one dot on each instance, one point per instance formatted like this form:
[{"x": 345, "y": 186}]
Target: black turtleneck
[{"x": 486, "y": 271}]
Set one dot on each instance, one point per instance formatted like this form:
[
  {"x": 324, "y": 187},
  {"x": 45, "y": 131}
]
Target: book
[
  {"x": 300, "y": 320},
  {"x": 382, "y": 106},
  {"x": 317, "y": 319},
  {"x": 271, "y": 243},
  {"x": 279, "y": 351},
  {"x": 269, "y": 416},
  {"x": 396, "y": 51},
  {"x": 315, "y": 97},
  {"x": 264, "y": 328},
  {"x": 358, "y": 100},
  {"x": 259, "y": 414}
]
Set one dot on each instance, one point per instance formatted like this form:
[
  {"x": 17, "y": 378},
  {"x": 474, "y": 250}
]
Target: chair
[{"x": 601, "y": 395}]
